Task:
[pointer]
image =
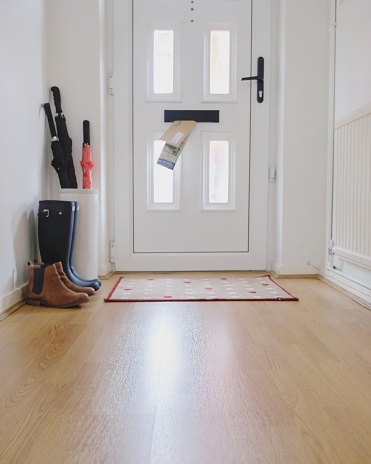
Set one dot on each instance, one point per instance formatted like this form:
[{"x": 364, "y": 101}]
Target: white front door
[{"x": 210, "y": 211}]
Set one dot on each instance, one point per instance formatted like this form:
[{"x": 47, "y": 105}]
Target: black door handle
[{"x": 260, "y": 80}]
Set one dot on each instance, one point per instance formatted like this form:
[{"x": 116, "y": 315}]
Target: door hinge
[
  {"x": 272, "y": 174},
  {"x": 112, "y": 251},
  {"x": 111, "y": 83}
]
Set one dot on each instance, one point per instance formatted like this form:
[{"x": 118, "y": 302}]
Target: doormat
[{"x": 198, "y": 289}]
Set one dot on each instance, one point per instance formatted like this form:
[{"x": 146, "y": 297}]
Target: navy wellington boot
[{"x": 55, "y": 233}]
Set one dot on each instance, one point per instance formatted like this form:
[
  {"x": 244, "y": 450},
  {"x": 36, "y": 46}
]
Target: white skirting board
[
  {"x": 355, "y": 290},
  {"x": 11, "y": 302}
]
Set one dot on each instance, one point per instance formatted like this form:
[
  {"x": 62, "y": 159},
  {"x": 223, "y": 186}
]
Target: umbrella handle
[
  {"x": 86, "y": 131},
  {"x": 57, "y": 99},
  {"x": 49, "y": 116}
]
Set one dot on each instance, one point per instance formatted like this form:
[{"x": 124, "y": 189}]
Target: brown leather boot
[
  {"x": 75, "y": 288},
  {"x": 46, "y": 288}
]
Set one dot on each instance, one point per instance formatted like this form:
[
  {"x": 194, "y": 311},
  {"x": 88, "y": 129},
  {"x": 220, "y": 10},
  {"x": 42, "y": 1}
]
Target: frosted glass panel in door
[
  {"x": 163, "y": 61},
  {"x": 218, "y": 171},
  {"x": 219, "y": 62}
]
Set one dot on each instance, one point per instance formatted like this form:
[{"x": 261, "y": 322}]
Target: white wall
[
  {"x": 302, "y": 135},
  {"x": 353, "y": 89},
  {"x": 352, "y": 97},
  {"x": 23, "y": 173},
  {"x": 76, "y": 57},
  {"x": 45, "y": 43}
]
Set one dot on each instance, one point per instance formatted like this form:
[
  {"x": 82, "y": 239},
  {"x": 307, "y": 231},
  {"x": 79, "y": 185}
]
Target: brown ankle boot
[
  {"x": 46, "y": 288},
  {"x": 75, "y": 288}
]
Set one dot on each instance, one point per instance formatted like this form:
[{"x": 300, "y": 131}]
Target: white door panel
[{"x": 189, "y": 34}]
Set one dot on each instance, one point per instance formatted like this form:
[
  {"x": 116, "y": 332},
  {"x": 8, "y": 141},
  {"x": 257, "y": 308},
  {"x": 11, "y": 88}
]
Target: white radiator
[{"x": 352, "y": 188}]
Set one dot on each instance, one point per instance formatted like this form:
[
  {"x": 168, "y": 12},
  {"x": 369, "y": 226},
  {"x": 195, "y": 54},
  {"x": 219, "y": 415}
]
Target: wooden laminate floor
[{"x": 188, "y": 383}]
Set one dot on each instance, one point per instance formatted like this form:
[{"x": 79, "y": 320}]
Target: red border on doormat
[{"x": 284, "y": 296}]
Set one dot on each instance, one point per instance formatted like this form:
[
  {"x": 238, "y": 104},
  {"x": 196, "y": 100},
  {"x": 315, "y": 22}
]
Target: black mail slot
[{"x": 191, "y": 115}]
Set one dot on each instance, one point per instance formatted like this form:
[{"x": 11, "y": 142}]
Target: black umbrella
[
  {"x": 59, "y": 161},
  {"x": 64, "y": 138}
]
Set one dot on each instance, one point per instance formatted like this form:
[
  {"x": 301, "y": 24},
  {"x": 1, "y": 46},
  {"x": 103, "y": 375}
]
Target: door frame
[{"x": 123, "y": 258}]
